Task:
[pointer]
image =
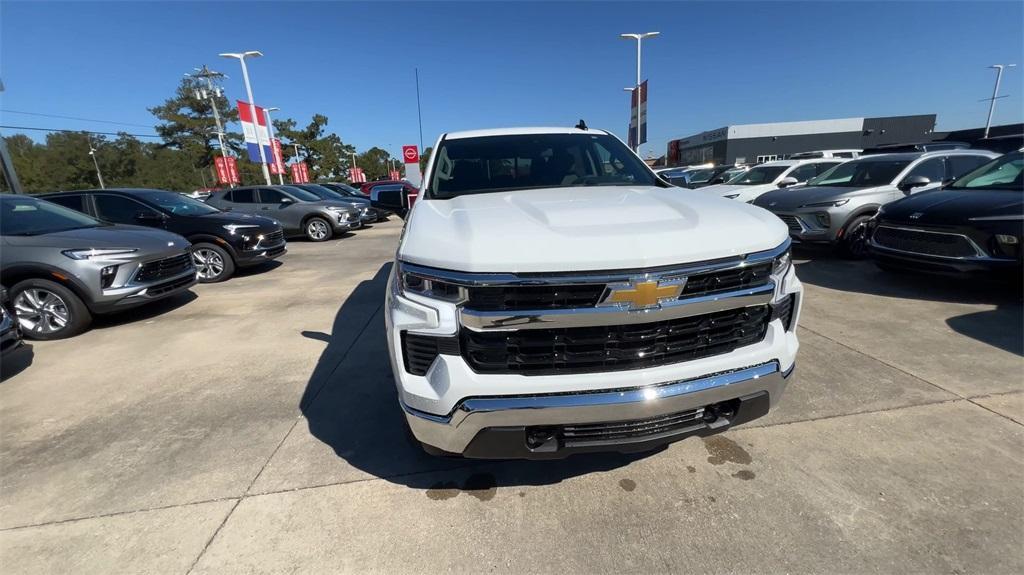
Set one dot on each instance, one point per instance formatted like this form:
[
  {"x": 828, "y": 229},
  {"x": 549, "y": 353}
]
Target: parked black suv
[{"x": 221, "y": 241}]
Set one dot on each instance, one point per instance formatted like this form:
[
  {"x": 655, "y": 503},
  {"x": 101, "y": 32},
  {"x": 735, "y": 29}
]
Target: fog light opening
[{"x": 537, "y": 437}]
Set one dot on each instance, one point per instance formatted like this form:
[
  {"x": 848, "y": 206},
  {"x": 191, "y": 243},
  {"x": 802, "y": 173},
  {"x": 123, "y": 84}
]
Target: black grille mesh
[
  {"x": 165, "y": 268},
  {"x": 919, "y": 242}
]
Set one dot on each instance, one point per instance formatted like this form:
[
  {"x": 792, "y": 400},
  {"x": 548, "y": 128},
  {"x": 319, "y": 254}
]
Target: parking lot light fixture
[
  {"x": 241, "y": 56},
  {"x": 639, "y": 40}
]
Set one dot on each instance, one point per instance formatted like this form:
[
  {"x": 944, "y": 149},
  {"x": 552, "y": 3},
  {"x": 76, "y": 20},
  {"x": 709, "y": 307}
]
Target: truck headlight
[
  {"x": 781, "y": 264},
  {"x": 427, "y": 286}
]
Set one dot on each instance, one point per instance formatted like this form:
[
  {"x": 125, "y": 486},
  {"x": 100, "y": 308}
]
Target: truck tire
[
  {"x": 213, "y": 263},
  {"x": 47, "y": 310}
]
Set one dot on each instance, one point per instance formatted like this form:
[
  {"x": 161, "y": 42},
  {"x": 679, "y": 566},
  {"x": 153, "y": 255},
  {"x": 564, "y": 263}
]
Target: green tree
[
  {"x": 187, "y": 122},
  {"x": 424, "y": 158},
  {"x": 326, "y": 155},
  {"x": 374, "y": 163}
]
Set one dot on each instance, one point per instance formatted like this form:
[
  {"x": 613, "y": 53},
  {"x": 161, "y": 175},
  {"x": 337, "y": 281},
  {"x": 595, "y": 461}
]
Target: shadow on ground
[
  {"x": 144, "y": 312},
  {"x": 17, "y": 361},
  {"x": 1002, "y": 327},
  {"x": 351, "y": 405},
  {"x": 256, "y": 269}
]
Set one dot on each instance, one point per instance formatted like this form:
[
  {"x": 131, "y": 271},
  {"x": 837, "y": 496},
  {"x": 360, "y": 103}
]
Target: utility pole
[
  {"x": 213, "y": 94},
  {"x": 8, "y": 164},
  {"x": 92, "y": 152},
  {"x": 639, "y": 96},
  {"x": 241, "y": 56},
  {"x": 992, "y": 101}
]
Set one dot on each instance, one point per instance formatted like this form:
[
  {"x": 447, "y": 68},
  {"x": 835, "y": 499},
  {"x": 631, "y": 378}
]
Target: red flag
[
  {"x": 232, "y": 167},
  {"x": 221, "y": 164}
]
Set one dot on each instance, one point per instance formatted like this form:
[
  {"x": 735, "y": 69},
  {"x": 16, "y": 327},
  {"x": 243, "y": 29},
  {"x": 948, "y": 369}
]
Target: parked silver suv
[
  {"x": 835, "y": 207},
  {"x": 63, "y": 266}
]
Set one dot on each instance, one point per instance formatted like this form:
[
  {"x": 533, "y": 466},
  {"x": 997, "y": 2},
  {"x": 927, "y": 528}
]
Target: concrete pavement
[{"x": 254, "y": 429}]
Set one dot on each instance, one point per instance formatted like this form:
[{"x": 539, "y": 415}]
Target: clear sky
[{"x": 514, "y": 64}]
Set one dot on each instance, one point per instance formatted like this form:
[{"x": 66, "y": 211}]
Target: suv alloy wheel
[
  {"x": 48, "y": 310},
  {"x": 213, "y": 264}
]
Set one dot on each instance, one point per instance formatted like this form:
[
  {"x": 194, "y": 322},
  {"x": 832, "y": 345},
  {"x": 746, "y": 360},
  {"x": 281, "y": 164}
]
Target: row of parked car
[
  {"x": 68, "y": 256},
  {"x": 949, "y": 209}
]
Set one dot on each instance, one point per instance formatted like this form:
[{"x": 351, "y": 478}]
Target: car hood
[
  {"x": 788, "y": 199},
  {"x": 335, "y": 204},
  {"x": 355, "y": 201},
  {"x": 576, "y": 229},
  {"x": 225, "y": 218},
  {"x": 952, "y": 206},
  {"x": 114, "y": 236}
]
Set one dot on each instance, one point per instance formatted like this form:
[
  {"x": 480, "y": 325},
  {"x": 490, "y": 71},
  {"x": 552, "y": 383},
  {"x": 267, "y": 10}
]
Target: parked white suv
[
  {"x": 551, "y": 296},
  {"x": 772, "y": 176}
]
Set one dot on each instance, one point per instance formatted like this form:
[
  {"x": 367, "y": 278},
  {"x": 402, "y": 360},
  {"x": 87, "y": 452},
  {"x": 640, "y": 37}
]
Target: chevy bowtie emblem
[
  {"x": 916, "y": 215},
  {"x": 642, "y": 293}
]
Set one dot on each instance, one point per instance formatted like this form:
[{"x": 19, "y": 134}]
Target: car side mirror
[
  {"x": 788, "y": 181},
  {"x": 913, "y": 182},
  {"x": 286, "y": 201},
  {"x": 149, "y": 217}
]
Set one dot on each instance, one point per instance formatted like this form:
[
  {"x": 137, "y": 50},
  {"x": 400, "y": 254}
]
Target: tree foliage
[{"x": 326, "y": 155}]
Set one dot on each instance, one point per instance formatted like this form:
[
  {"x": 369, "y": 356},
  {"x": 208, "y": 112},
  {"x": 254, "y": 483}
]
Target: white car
[
  {"x": 550, "y": 295},
  {"x": 770, "y": 176}
]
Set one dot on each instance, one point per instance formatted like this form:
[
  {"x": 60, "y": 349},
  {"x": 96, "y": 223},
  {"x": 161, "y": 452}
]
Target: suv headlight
[
  {"x": 95, "y": 254},
  {"x": 832, "y": 204},
  {"x": 781, "y": 264},
  {"x": 427, "y": 286},
  {"x": 232, "y": 228}
]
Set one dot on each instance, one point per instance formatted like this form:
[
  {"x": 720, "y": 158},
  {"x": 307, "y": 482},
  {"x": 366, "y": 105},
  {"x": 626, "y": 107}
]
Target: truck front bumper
[{"x": 554, "y": 426}]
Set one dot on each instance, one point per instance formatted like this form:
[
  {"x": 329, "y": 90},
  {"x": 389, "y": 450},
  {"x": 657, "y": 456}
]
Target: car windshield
[
  {"x": 701, "y": 176},
  {"x": 322, "y": 192},
  {"x": 759, "y": 175},
  {"x": 24, "y": 216},
  {"x": 861, "y": 174},
  {"x": 733, "y": 174},
  {"x": 301, "y": 194},
  {"x": 1003, "y": 173},
  {"x": 531, "y": 161},
  {"x": 177, "y": 204},
  {"x": 343, "y": 189}
]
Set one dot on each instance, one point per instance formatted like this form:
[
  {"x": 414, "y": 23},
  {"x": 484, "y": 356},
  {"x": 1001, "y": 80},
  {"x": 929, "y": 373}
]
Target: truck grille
[
  {"x": 922, "y": 242},
  {"x": 165, "y": 268},
  {"x": 638, "y": 428},
  {"x": 791, "y": 222},
  {"x": 609, "y": 348},
  {"x": 516, "y": 298}
]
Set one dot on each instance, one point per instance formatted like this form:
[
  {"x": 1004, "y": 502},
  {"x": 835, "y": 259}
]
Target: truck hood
[
  {"x": 954, "y": 207},
  {"x": 107, "y": 236},
  {"x": 789, "y": 199},
  {"x": 579, "y": 229}
]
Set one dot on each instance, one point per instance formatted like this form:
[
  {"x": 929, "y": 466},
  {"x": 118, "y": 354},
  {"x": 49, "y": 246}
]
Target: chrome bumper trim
[
  {"x": 454, "y": 432},
  {"x": 598, "y": 316}
]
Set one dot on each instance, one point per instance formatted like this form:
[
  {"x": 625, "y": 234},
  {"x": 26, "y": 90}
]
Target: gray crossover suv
[
  {"x": 299, "y": 212},
  {"x": 835, "y": 207},
  {"x": 63, "y": 266}
]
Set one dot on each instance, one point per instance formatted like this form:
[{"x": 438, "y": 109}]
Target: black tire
[
  {"x": 317, "y": 229},
  {"x": 854, "y": 245},
  {"x": 39, "y": 316},
  {"x": 209, "y": 258}
]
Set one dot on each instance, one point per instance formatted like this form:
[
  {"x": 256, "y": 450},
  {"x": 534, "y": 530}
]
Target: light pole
[
  {"x": 252, "y": 105},
  {"x": 92, "y": 152},
  {"x": 639, "y": 97},
  {"x": 992, "y": 101},
  {"x": 270, "y": 127}
]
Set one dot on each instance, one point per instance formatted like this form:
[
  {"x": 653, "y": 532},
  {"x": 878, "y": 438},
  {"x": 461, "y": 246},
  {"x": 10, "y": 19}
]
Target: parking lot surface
[{"x": 253, "y": 427}]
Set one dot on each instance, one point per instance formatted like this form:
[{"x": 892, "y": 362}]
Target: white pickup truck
[{"x": 551, "y": 296}]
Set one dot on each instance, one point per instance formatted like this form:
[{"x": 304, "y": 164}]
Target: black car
[
  {"x": 974, "y": 225},
  {"x": 367, "y": 214},
  {"x": 221, "y": 241}
]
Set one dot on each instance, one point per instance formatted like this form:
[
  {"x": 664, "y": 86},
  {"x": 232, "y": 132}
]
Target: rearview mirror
[
  {"x": 788, "y": 181},
  {"x": 913, "y": 182}
]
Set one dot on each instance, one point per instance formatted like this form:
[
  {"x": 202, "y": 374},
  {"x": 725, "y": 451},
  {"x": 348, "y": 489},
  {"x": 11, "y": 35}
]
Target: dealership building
[{"x": 750, "y": 143}]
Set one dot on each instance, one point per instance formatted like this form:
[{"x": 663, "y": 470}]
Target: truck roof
[{"x": 518, "y": 132}]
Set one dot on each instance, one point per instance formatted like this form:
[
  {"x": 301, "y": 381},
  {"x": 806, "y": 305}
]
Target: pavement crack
[{"x": 213, "y": 535}]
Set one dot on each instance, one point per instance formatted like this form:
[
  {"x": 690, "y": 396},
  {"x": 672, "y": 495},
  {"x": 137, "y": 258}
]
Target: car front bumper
[
  {"x": 456, "y": 410},
  {"x": 261, "y": 254},
  {"x": 996, "y": 268},
  {"x": 115, "y": 299},
  {"x": 805, "y": 226}
]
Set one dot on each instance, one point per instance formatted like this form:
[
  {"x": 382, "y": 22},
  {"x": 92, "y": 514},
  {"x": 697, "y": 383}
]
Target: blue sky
[{"x": 507, "y": 64}]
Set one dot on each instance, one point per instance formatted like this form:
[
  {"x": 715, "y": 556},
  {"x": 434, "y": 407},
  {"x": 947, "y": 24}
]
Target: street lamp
[
  {"x": 270, "y": 128},
  {"x": 992, "y": 100},
  {"x": 241, "y": 56},
  {"x": 639, "y": 97}
]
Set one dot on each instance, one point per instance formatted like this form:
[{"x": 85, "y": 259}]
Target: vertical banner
[
  {"x": 221, "y": 164},
  {"x": 638, "y": 114},
  {"x": 395, "y": 175},
  {"x": 356, "y": 175},
  {"x": 304, "y": 170},
  {"x": 643, "y": 112},
  {"x": 296, "y": 173},
  {"x": 232, "y": 166},
  {"x": 411, "y": 157},
  {"x": 631, "y": 135},
  {"x": 255, "y": 132},
  {"x": 277, "y": 161}
]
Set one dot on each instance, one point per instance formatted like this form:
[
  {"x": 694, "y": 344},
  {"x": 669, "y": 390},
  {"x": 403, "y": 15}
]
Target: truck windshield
[
  {"x": 861, "y": 174},
  {"x": 22, "y": 216},
  {"x": 530, "y": 161}
]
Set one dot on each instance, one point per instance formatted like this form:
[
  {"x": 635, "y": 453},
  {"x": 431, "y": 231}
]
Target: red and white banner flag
[
  {"x": 395, "y": 175},
  {"x": 300, "y": 173},
  {"x": 277, "y": 163},
  {"x": 256, "y": 132}
]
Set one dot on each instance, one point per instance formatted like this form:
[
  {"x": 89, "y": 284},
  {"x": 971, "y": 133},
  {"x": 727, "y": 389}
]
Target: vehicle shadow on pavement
[
  {"x": 1002, "y": 327},
  {"x": 351, "y": 405},
  {"x": 144, "y": 312},
  {"x": 257, "y": 269}
]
